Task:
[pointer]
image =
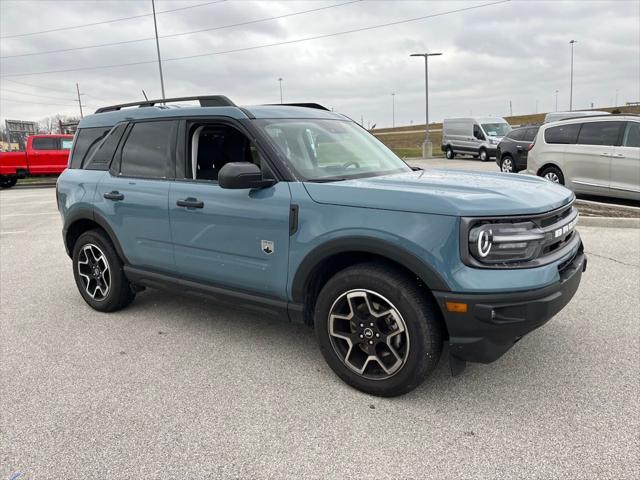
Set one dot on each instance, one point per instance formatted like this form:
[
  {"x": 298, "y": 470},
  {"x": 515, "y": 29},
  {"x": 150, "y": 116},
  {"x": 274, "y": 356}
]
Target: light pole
[
  {"x": 427, "y": 147},
  {"x": 280, "y": 81},
  {"x": 155, "y": 26},
  {"x": 556, "y": 100},
  {"x": 616, "y": 98},
  {"x": 393, "y": 110},
  {"x": 572, "y": 42},
  {"x": 79, "y": 99}
]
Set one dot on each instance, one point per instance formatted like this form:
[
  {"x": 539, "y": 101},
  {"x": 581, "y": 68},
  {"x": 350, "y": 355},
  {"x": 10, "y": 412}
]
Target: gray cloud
[{"x": 515, "y": 51}]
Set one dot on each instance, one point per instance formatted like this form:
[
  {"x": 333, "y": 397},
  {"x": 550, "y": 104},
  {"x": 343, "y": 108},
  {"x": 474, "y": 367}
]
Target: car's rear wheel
[
  {"x": 506, "y": 164},
  {"x": 484, "y": 156},
  {"x": 7, "y": 181},
  {"x": 377, "y": 329},
  {"x": 553, "y": 174},
  {"x": 98, "y": 272},
  {"x": 449, "y": 153}
]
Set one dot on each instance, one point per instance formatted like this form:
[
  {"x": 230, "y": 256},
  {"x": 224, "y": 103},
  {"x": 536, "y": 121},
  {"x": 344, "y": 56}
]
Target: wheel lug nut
[
  {"x": 371, "y": 324},
  {"x": 370, "y": 342},
  {"x": 361, "y": 336},
  {"x": 362, "y": 324},
  {"x": 377, "y": 335}
]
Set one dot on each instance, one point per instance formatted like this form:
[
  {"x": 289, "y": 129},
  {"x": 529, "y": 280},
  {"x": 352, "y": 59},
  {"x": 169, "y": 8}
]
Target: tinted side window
[
  {"x": 599, "y": 133},
  {"x": 477, "y": 133},
  {"x": 530, "y": 134},
  {"x": 66, "y": 143},
  {"x": 46, "y": 144},
  {"x": 87, "y": 139},
  {"x": 148, "y": 150},
  {"x": 562, "y": 133},
  {"x": 516, "y": 134},
  {"x": 632, "y": 135},
  {"x": 103, "y": 153}
]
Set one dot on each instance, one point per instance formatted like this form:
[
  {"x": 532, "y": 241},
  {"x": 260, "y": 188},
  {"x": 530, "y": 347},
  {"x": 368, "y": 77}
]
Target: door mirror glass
[{"x": 239, "y": 175}]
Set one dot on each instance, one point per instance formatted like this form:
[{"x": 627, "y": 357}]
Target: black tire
[
  {"x": 449, "y": 153},
  {"x": 553, "y": 174},
  {"x": 8, "y": 181},
  {"x": 507, "y": 164},
  {"x": 417, "y": 311},
  {"x": 119, "y": 293},
  {"x": 483, "y": 155}
]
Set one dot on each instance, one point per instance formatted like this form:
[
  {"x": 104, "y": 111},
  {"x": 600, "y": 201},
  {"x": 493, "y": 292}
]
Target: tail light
[{"x": 531, "y": 145}]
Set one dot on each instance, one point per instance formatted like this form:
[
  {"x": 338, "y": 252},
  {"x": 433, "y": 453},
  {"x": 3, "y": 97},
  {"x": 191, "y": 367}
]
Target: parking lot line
[{"x": 27, "y": 214}]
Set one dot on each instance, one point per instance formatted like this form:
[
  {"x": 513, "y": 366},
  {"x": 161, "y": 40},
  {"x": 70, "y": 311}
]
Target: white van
[
  {"x": 477, "y": 136},
  {"x": 557, "y": 116}
]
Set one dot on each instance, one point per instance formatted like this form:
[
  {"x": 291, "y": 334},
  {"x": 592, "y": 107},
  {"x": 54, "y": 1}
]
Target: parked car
[
  {"x": 557, "y": 116},
  {"x": 594, "y": 155},
  {"x": 476, "y": 136},
  {"x": 511, "y": 155},
  {"x": 44, "y": 155},
  {"x": 299, "y": 211}
]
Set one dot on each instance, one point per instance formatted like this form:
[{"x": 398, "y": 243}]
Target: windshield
[
  {"x": 496, "y": 129},
  {"x": 325, "y": 150}
]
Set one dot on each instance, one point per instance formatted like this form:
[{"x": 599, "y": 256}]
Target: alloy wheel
[
  {"x": 552, "y": 177},
  {"x": 94, "y": 272},
  {"x": 507, "y": 165},
  {"x": 368, "y": 334}
]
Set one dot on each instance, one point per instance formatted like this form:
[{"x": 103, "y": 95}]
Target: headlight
[
  {"x": 493, "y": 141},
  {"x": 506, "y": 243}
]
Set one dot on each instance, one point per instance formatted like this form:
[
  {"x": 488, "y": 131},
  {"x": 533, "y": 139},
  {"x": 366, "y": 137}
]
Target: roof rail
[
  {"x": 610, "y": 115},
  {"x": 205, "y": 101},
  {"x": 317, "y": 106}
]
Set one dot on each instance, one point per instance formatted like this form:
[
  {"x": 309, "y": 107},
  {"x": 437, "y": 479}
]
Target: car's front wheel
[
  {"x": 377, "y": 329},
  {"x": 506, "y": 164},
  {"x": 98, "y": 272}
]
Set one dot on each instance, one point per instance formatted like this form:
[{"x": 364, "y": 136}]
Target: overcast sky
[{"x": 515, "y": 50}]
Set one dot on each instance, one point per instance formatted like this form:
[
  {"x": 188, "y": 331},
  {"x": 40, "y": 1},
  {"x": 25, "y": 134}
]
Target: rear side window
[
  {"x": 632, "y": 135},
  {"x": 530, "y": 134},
  {"x": 86, "y": 141},
  {"x": 600, "y": 133},
  {"x": 148, "y": 150},
  {"x": 562, "y": 133},
  {"x": 103, "y": 153},
  {"x": 46, "y": 144},
  {"x": 516, "y": 134}
]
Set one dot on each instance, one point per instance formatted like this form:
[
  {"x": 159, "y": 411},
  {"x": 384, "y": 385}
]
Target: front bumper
[{"x": 493, "y": 322}]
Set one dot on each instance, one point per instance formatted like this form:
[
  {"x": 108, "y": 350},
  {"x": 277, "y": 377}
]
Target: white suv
[{"x": 595, "y": 155}]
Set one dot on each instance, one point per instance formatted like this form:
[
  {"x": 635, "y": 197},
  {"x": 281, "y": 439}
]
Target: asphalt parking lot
[{"x": 180, "y": 387}]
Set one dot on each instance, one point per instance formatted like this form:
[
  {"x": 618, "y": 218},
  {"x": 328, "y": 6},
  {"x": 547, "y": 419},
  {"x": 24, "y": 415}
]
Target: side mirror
[{"x": 239, "y": 175}]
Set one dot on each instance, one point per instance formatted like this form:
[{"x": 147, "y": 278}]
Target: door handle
[
  {"x": 190, "y": 202},
  {"x": 619, "y": 155},
  {"x": 605, "y": 154},
  {"x": 114, "y": 195}
]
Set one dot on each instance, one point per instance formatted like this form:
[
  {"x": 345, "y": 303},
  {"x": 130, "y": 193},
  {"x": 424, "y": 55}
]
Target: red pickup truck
[{"x": 44, "y": 155}]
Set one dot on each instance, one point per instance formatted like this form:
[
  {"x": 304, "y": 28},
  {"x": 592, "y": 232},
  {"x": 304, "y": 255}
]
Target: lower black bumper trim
[{"x": 493, "y": 323}]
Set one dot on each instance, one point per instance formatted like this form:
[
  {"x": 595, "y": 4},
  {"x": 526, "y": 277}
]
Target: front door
[{"x": 237, "y": 239}]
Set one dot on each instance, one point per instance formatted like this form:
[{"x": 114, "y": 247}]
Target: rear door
[
  {"x": 587, "y": 162},
  {"x": 236, "y": 239},
  {"x": 133, "y": 196},
  {"x": 625, "y": 164}
]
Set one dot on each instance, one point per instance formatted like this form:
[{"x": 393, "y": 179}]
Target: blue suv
[{"x": 298, "y": 211}]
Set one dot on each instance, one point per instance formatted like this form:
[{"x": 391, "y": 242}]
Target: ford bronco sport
[{"x": 299, "y": 211}]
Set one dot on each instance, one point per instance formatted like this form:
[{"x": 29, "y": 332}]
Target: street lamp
[
  {"x": 572, "y": 42},
  {"x": 427, "y": 147},
  {"x": 393, "y": 110},
  {"x": 556, "y": 100},
  {"x": 280, "y": 81}
]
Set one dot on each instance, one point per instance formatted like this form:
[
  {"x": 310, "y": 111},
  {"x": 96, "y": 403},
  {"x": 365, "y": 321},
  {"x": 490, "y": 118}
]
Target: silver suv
[{"x": 598, "y": 155}]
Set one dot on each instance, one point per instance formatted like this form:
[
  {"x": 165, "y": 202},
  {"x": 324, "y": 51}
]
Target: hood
[{"x": 446, "y": 192}]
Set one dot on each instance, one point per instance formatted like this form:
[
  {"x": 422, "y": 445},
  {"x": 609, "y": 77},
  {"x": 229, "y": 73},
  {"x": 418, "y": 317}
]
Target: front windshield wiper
[{"x": 327, "y": 180}]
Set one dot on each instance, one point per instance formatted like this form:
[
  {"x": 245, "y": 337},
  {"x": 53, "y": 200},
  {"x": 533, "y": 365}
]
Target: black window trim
[{"x": 169, "y": 170}]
